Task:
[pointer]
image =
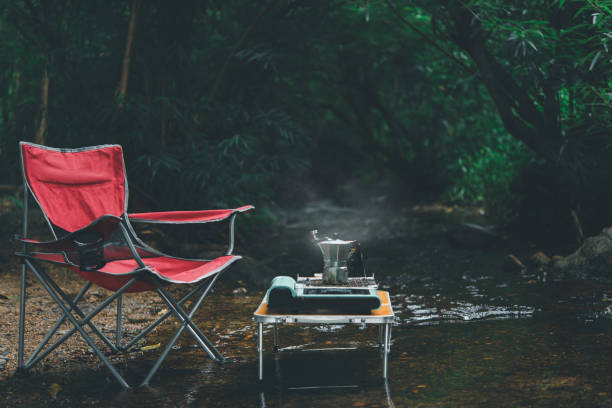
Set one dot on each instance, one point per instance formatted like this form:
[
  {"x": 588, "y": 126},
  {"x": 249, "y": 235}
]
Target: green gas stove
[{"x": 356, "y": 295}]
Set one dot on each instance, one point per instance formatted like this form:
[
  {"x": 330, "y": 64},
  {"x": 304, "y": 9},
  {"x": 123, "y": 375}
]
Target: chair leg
[
  {"x": 51, "y": 332},
  {"x": 156, "y": 323},
  {"x": 202, "y": 340},
  {"x": 118, "y": 325},
  {"x": 82, "y": 315},
  {"x": 180, "y": 313},
  {"x": 186, "y": 321},
  {"x": 70, "y": 306},
  {"x": 162, "y": 357},
  {"x": 22, "y": 291},
  {"x": 42, "y": 277},
  {"x": 22, "y": 305},
  {"x": 33, "y": 361}
]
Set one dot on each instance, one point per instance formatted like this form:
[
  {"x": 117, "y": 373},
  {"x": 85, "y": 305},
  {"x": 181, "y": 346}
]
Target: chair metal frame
[{"x": 69, "y": 306}]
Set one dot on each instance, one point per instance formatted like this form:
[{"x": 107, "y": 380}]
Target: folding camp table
[{"x": 383, "y": 317}]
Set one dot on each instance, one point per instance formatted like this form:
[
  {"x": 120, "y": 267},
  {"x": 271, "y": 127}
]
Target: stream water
[{"x": 466, "y": 334}]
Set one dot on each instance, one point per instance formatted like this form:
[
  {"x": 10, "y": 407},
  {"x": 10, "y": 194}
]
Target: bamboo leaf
[{"x": 594, "y": 61}]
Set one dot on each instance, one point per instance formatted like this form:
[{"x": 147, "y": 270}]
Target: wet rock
[
  {"x": 594, "y": 257},
  {"x": 539, "y": 259},
  {"x": 474, "y": 236},
  {"x": 512, "y": 264},
  {"x": 239, "y": 291}
]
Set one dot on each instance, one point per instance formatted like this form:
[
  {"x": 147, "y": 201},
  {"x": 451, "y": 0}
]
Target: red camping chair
[{"x": 83, "y": 194}]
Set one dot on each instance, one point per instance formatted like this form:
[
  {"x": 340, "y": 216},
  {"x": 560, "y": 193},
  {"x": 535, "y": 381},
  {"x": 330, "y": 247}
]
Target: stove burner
[{"x": 357, "y": 282}]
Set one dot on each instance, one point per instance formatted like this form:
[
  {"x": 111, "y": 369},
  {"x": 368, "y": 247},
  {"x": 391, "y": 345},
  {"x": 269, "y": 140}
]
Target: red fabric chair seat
[{"x": 172, "y": 270}]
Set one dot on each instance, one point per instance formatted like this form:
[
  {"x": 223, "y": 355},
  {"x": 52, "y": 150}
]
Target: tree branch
[
  {"x": 425, "y": 37},
  {"x": 521, "y": 117}
]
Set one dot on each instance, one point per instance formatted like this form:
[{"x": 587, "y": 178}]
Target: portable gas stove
[
  {"x": 342, "y": 286},
  {"x": 311, "y": 293}
]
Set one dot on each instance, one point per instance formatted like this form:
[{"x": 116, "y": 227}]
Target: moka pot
[{"x": 335, "y": 255}]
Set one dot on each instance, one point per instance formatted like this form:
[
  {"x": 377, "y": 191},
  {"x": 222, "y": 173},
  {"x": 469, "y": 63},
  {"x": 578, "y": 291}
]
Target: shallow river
[{"x": 466, "y": 335}]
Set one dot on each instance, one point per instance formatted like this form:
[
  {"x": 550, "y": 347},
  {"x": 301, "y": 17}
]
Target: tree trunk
[
  {"x": 44, "y": 107},
  {"x": 521, "y": 117},
  {"x": 125, "y": 71},
  {"x": 7, "y": 73}
]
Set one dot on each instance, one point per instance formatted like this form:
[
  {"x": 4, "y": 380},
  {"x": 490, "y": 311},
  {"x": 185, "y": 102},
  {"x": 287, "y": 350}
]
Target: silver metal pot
[{"x": 335, "y": 256}]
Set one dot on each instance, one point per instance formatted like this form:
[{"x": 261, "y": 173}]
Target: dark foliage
[{"x": 505, "y": 104}]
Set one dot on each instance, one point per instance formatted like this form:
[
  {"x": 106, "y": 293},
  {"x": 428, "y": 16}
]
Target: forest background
[{"x": 501, "y": 104}]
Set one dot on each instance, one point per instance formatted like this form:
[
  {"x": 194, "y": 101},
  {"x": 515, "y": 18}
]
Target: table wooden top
[{"x": 384, "y": 311}]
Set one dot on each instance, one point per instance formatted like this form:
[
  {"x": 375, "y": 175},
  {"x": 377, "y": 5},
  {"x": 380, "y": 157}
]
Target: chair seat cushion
[{"x": 172, "y": 270}]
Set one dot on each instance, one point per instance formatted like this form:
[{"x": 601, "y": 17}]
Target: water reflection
[
  {"x": 330, "y": 376},
  {"x": 285, "y": 398}
]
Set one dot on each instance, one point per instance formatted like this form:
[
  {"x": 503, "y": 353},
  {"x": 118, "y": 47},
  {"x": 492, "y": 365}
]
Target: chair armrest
[
  {"x": 187, "y": 217},
  {"x": 84, "y": 248},
  {"x": 103, "y": 226}
]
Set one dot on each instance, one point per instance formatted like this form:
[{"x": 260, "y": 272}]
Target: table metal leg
[
  {"x": 276, "y": 347},
  {"x": 386, "y": 349},
  {"x": 389, "y": 400},
  {"x": 260, "y": 348},
  {"x": 380, "y": 335}
]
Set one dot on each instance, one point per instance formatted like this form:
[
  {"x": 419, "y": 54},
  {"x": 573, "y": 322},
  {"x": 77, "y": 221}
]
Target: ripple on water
[
  {"x": 421, "y": 314},
  {"x": 328, "y": 328}
]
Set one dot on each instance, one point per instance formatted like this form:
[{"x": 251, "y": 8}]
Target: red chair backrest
[{"x": 76, "y": 186}]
